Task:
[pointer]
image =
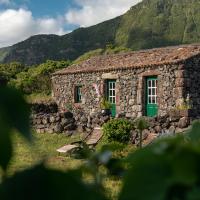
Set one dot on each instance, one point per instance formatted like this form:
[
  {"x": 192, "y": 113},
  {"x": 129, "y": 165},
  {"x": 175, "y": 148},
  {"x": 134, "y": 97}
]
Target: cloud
[
  {"x": 95, "y": 11},
  {"x": 17, "y": 25},
  {"x": 4, "y": 1}
]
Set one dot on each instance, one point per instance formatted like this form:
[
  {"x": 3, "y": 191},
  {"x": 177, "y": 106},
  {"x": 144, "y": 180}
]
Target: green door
[
  {"x": 111, "y": 95},
  {"x": 151, "y": 96}
]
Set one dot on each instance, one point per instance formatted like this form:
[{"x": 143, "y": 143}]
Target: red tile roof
[{"x": 135, "y": 59}]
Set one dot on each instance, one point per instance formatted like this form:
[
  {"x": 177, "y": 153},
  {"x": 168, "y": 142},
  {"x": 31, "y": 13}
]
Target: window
[
  {"x": 78, "y": 94},
  {"x": 111, "y": 91},
  {"x": 152, "y": 91}
]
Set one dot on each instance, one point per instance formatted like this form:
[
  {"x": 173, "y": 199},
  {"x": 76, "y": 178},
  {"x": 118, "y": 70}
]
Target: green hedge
[{"x": 118, "y": 130}]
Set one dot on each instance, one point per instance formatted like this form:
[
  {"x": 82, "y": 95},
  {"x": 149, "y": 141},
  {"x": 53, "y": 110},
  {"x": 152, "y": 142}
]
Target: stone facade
[
  {"x": 177, "y": 81},
  {"x": 130, "y": 89}
]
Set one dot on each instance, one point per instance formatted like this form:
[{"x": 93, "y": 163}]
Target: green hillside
[
  {"x": 152, "y": 23},
  {"x": 156, "y": 23}
]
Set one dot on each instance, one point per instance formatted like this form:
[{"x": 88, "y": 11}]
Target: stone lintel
[
  {"x": 150, "y": 73},
  {"x": 110, "y": 76}
]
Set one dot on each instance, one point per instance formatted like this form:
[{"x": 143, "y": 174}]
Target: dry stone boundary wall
[{"x": 45, "y": 118}]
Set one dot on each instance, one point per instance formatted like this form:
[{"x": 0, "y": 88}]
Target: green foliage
[
  {"x": 51, "y": 184},
  {"x": 194, "y": 133},
  {"x": 168, "y": 169},
  {"x": 141, "y": 124},
  {"x": 11, "y": 70},
  {"x": 37, "y": 79},
  {"x": 105, "y": 104},
  {"x": 3, "y": 53},
  {"x": 88, "y": 55},
  {"x": 14, "y": 115},
  {"x": 118, "y": 130},
  {"x": 42, "y": 183},
  {"x": 165, "y": 170},
  {"x": 155, "y": 23},
  {"x": 112, "y": 49},
  {"x": 109, "y": 49}
]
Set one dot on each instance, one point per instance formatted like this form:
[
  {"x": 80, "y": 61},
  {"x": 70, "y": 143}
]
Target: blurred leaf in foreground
[
  {"x": 166, "y": 170},
  {"x": 14, "y": 115},
  {"x": 41, "y": 183}
]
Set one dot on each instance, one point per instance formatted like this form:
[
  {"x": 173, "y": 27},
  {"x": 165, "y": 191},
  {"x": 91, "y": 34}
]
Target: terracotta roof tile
[{"x": 151, "y": 57}]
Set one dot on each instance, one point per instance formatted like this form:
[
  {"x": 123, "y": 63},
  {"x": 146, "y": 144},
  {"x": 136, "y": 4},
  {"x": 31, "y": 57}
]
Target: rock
[
  {"x": 58, "y": 128},
  {"x": 172, "y": 129},
  {"x": 41, "y": 126},
  {"x": 45, "y": 121},
  {"x": 42, "y": 130},
  {"x": 68, "y": 115},
  {"x": 96, "y": 121},
  {"x": 121, "y": 115},
  {"x": 162, "y": 119},
  {"x": 183, "y": 122},
  {"x": 128, "y": 115},
  {"x": 49, "y": 130},
  {"x": 157, "y": 129},
  {"x": 68, "y": 133},
  {"x": 58, "y": 119},
  {"x": 145, "y": 134},
  {"x": 134, "y": 136},
  {"x": 52, "y": 119},
  {"x": 38, "y": 121},
  {"x": 89, "y": 125},
  {"x": 80, "y": 129},
  {"x": 88, "y": 130},
  {"x": 84, "y": 120},
  {"x": 131, "y": 102},
  {"x": 65, "y": 122},
  {"x": 70, "y": 127},
  {"x": 178, "y": 130}
]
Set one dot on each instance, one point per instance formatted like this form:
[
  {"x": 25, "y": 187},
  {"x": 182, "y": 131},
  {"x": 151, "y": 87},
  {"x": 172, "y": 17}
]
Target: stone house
[{"x": 148, "y": 82}]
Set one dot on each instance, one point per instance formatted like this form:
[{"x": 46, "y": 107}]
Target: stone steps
[{"x": 92, "y": 140}]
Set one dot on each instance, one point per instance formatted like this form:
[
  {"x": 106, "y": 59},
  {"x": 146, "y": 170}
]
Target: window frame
[{"x": 78, "y": 94}]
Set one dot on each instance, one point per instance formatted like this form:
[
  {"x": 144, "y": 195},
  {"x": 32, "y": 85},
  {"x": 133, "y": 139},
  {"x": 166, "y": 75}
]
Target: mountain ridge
[{"x": 149, "y": 24}]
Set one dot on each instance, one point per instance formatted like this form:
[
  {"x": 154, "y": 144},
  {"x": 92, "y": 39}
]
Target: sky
[{"x": 20, "y": 19}]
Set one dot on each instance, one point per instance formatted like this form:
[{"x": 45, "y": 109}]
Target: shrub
[{"x": 117, "y": 130}]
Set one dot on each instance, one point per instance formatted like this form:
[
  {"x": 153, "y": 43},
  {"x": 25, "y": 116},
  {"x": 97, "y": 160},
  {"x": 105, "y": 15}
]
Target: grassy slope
[
  {"x": 152, "y": 23},
  {"x": 155, "y": 23},
  {"x": 44, "y": 148},
  {"x": 3, "y": 53}
]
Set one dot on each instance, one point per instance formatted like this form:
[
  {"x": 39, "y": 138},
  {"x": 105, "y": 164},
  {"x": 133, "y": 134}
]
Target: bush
[
  {"x": 117, "y": 130},
  {"x": 36, "y": 79}
]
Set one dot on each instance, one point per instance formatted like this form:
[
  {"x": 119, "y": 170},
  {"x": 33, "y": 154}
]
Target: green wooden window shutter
[{"x": 78, "y": 94}]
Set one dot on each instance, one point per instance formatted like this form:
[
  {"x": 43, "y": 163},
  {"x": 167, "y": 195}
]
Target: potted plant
[
  {"x": 105, "y": 107},
  {"x": 182, "y": 109}
]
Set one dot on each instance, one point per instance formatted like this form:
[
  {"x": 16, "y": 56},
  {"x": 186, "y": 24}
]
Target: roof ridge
[{"x": 134, "y": 59}]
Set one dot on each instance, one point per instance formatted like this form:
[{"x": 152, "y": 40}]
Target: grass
[
  {"x": 43, "y": 149},
  {"x": 38, "y": 98}
]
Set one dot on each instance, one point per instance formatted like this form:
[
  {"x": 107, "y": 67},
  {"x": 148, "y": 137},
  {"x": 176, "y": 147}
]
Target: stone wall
[
  {"x": 162, "y": 127},
  {"x": 68, "y": 123},
  {"x": 130, "y": 89},
  {"x": 190, "y": 78},
  {"x": 45, "y": 118}
]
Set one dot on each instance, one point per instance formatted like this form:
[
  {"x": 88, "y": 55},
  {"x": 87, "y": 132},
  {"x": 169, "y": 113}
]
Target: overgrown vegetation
[
  {"x": 31, "y": 80},
  {"x": 167, "y": 169},
  {"x": 118, "y": 130},
  {"x": 109, "y": 49}
]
